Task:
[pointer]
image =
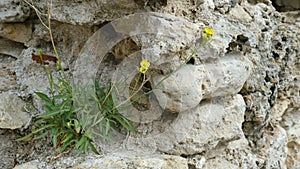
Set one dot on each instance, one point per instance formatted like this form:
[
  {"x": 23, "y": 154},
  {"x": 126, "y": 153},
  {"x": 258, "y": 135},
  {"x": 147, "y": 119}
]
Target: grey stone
[
  {"x": 8, "y": 77},
  {"x": 88, "y": 12},
  {"x": 239, "y": 13},
  {"x": 186, "y": 87},
  {"x": 170, "y": 38},
  {"x": 10, "y": 48},
  {"x": 286, "y": 5},
  {"x": 12, "y": 112},
  {"x": 28, "y": 165},
  {"x": 19, "y": 32},
  {"x": 215, "y": 121},
  {"x": 13, "y": 11},
  {"x": 129, "y": 160},
  {"x": 197, "y": 130},
  {"x": 132, "y": 160},
  {"x": 269, "y": 39},
  {"x": 291, "y": 123},
  {"x": 219, "y": 163}
]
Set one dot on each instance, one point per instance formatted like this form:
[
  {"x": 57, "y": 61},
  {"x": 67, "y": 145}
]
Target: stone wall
[{"x": 236, "y": 104}]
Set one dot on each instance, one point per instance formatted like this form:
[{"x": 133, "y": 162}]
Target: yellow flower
[
  {"x": 208, "y": 32},
  {"x": 145, "y": 64},
  {"x": 143, "y": 70}
]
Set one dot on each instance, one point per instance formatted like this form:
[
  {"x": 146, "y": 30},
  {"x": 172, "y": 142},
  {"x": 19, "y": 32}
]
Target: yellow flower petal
[
  {"x": 143, "y": 70},
  {"x": 145, "y": 63},
  {"x": 209, "y": 31}
]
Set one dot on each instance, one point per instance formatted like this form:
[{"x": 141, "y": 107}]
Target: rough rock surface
[
  {"x": 88, "y": 12},
  {"x": 285, "y": 5},
  {"x": 12, "y": 112},
  {"x": 222, "y": 78},
  {"x": 117, "y": 160},
  {"x": 232, "y": 112},
  {"x": 16, "y": 32},
  {"x": 13, "y": 11}
]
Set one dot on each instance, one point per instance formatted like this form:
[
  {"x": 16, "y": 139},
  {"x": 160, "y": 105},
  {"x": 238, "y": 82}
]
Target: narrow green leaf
[
  {"x": 69, "y": 136},
  {"x": 49, "y": 107},
  {"x": 93, "y": 148},
  {"x": 39, "y": 121},
  {"x": 81, "y": 142},
  {"x": 53, "y": 113},
  {"x": 86, "y": 147},
  {"x": 125, "y": 123},
  {"x": 66, "y": 145},
  {"x": 60, "y": 96},
  {"x": 40, "y": 136},
  {"x": 113, "y": 97},
  {"x": 54, "y": 138},
  {"x": 43, "y": 97},
  {"x": 43, "y": 128},
  {"x": 25, "y": 137},
  {"x": 107, "y": 126}
]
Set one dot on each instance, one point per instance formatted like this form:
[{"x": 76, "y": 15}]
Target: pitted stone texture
[
  {"x": 236, "y": 153},
  {"x": 7, "y": 71},
  {"x": 215, "y": 121},
  {"x": 273, "y": 146},
  {"x": 13, "y": 11},
  {"x": 194, "y": 131},
  {"x": 12, "y": 112},
  {"x": 291, "y": 123},
  {"x": 225, "y": 40},
  {"x": 88, "y": 12},
  {"x": 185, "y": 88}
]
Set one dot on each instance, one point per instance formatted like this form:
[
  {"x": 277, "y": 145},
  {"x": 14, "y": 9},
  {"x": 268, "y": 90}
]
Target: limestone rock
[
  {"x": 115, "y": 160},
  {"x": 167, "y": 37},
  {"x": 235, "y": 153},
  {"x": 128, "y": 160},
  {"x": 28, "y": 165},
  {"x": 239, "y": 13},
  {"x": 182, "y": 90},
  {"x": 88, "y": 12},
  {"x": 13, "y": 11},
  {"x": 286, "y": 5},
  {"x": 219, "y": 163},
  {"x": 7, "y": 70},
  {"x": 18, "y": 32},
  {"x": 12, "y": 111},
  {"x": 291, "y": 122},
  {"x": 215, "y": 121},
  {"x": 10, "y": 48},
  {"x": 186, "y": 87}
]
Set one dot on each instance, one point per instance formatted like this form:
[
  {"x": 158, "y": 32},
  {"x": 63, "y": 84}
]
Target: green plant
[{"x": 75, "y": 114}]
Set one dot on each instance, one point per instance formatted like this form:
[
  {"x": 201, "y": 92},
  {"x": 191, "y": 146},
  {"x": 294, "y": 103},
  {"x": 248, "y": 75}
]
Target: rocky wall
[{"x": 235, "y": 104}]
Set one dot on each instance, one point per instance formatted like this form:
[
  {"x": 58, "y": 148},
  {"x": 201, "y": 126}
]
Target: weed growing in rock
[{"x": 75, "y": 115}]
